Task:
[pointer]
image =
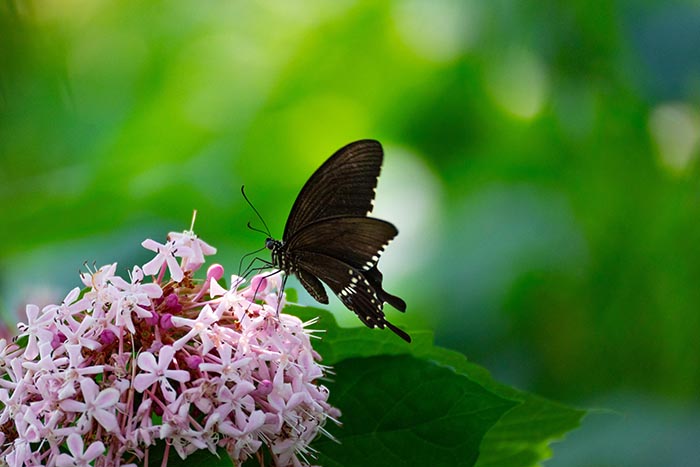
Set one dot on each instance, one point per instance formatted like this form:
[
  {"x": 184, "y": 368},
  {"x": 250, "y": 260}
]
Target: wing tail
[
  {"x": 399, "y": 332},
  {"x": 375, "y": 278}
]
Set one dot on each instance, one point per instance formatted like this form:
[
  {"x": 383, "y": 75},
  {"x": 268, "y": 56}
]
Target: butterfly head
[
  {"x": 278, "y": 258},
  {"x": 272, "y": 244}
]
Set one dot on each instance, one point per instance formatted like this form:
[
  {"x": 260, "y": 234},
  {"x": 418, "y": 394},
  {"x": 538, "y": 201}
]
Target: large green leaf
[
  {"x": 405, "y": 411},
  {"x": 522, "y": 436},
  {"x": 337, "y": 344},
  {"x": 519, "y": 439}
]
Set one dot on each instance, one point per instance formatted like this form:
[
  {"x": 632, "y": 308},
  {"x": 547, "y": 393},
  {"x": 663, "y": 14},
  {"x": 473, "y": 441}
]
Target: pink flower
[
  {"x": 100, "y": 278},
  {"x": 98, "y": 405},
  {"x": 198, "y": 328},
  {"x": 78, "y": 458},
  {"x": 5, "y": 352},
  {"x": 197, "y": 246},
  {"x": 159, "y": 372},
  {"x": 166, "y": 255},
  {"x": 122, "y": 366},
  {"x": 142, "y": 292},
  {"x": 80, "y": 333},
  {"x": 70, "y": 305},
  {"x": 229, "y": 368},
  {"x": 38, "y": 328},
  {"x": 244, "y": 431},
  {"x": 134, "y": 298}
]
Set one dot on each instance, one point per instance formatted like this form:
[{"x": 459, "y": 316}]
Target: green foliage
[
  {"x": 22, "y": 342},
  {"x": 375, "y": 377},
  {"x": 406, "y": 411}
]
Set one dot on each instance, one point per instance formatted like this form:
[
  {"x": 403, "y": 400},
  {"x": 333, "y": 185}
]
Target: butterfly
[{"x": 330, "y": 238}]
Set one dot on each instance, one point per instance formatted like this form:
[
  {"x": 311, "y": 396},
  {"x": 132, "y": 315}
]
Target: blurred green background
[{"x": 541, "y": 166}]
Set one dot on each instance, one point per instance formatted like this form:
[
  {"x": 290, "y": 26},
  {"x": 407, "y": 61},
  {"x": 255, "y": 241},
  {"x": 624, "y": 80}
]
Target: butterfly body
[{"x": 330, "y": 238}]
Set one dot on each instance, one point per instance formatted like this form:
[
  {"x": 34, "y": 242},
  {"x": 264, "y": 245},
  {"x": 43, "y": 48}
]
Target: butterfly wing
[
  {"x": 313, "y": 286},
  {"x": 357, "y": 241},
  {"x": 375, "y": 278},
  {"x": 351, "y": 286},
  {"x": 343, "y": 186},
  {"x": 328, "y": 236}
]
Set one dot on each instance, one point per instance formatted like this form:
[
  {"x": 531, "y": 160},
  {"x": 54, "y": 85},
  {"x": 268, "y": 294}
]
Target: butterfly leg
[
  {"x": 250, "y": 268},
  {"x": 251, "y": 271},
  {"x": 257, "y": 288},
  {"x": 280, "y": 292},
  {"x": 240, "y": 263}
]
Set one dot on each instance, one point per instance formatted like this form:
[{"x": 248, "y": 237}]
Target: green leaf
[
  {"x": 22, "y": 341},
  {"x": 391, "y": 415},
  {"x": 292, "y": 295},
  {"x": 522, "y": 436},
  {"x": 519, "y": 439},
  {"x": 82, "y": 293},
  {"x": 337, "y": 344}
]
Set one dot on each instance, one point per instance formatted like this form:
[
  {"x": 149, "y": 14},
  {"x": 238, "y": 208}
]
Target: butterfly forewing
[{"x": 343, "y": 186}]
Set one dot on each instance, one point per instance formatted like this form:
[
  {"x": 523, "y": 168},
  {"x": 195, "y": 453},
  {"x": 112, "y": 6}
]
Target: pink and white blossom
[
  {"x": 78, "y": 457},
  {"x": 159, "y": 372},
  {"x": 97, "y": 405},
  {"x": 196, "y": 246},
  {"x": 115, "y": 369},
  {"x": 166, "y": 255}
]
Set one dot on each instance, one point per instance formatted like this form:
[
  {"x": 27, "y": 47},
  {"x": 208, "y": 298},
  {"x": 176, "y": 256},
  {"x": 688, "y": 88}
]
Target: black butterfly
[{"x": 328, "y": 236}]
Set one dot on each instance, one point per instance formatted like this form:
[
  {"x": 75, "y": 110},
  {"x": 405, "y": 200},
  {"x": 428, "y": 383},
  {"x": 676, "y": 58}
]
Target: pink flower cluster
[{"x": 125, "y": 368}]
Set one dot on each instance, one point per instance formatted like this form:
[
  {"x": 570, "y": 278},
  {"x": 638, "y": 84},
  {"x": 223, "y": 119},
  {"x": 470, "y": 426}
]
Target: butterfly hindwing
[
  {"x": 312, "y": 285},
  {"x": 352, "y": 288},
  {"x": 375, "y": 278},
  {"x": 343, "y": 186},
  {"x": 357, "y": 241}
]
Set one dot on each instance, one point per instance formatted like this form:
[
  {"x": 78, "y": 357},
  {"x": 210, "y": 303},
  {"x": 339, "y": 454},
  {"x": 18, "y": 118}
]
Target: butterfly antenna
[
  {"x": 267, "y": 230},
  {"x": 258, "y": 230}
]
